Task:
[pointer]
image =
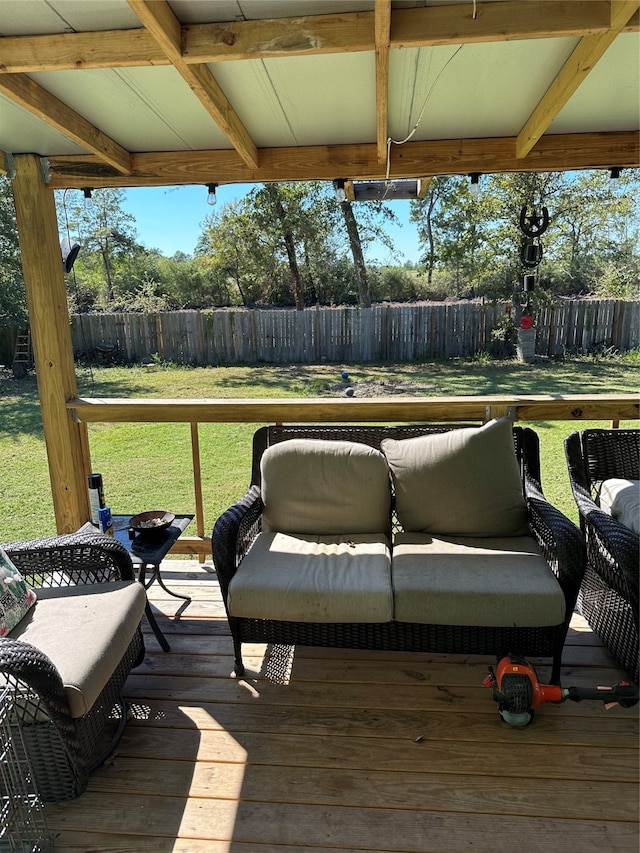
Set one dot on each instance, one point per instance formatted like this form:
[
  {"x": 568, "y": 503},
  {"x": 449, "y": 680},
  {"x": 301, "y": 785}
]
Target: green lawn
[{"x": 148, "y": 466}]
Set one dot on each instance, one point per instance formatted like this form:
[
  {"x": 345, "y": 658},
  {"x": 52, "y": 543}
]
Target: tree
[
  {"x": 234, "y": 249},
  {"x": 590, "y": 243},
  {"x": 590, "y": 217},
  {"x": 364, "y": 293},
  {"x": 303, "y": 216},
  {"x": 283, "y": 203},
  {"x": 455, "y": 231},
  {"x": 422, "y": 213},
  {"x": 101, "y": 227},
  {"x": 13, "y": 300}
]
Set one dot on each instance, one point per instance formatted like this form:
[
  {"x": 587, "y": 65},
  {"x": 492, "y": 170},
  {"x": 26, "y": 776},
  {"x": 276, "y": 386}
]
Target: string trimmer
[{"x": 518, "y": 692}]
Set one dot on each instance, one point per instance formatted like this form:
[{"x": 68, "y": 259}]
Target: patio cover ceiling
[{"x": 138, "y": 93}]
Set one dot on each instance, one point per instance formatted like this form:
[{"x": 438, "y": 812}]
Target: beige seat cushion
[
  {"x": 315, "y": 486},
  {"x": 463, "y": 581},
  {"x": 464, "y": 482},
  {"x": 84, "y": 631},
  {"x": 621, "y": 499},
  {"x": 308, "y": 578}
]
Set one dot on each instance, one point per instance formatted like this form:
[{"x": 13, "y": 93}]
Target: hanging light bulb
[
  {"x": 211, "y": 194},
  {"x": 614, "y": 177},
  {"x": 474, "y": 187},
  {"x": 338, "y": 186},
  {"x": 88, "y": 201}
]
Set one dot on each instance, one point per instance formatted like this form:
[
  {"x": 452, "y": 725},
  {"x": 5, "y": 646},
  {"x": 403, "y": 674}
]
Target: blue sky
[{"x": 170, "y": 219}]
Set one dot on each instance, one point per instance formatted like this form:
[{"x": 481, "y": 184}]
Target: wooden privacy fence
[{"x": 352, "y": 334}]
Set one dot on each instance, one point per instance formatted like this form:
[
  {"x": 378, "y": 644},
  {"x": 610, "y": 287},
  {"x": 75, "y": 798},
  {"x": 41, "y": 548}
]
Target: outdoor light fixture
[
  {"x": 69, "y": 251},
  {"x": 88, "y": 201},
  {"x": 338, "y": 186},
  {"x": 614, "y": 177},
  {"x": 388, "y": 190},
  {"x": 474, "y": 187},
  {"x": 211, "y": 194}
]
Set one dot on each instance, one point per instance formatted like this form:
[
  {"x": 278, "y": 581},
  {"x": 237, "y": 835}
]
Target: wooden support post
[
  {"x": 197, "y": 482},
  {"x": 66, "y": 440}
]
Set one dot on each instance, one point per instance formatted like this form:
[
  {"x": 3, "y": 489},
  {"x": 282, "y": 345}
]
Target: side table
[{"x": 147, "y": 551}]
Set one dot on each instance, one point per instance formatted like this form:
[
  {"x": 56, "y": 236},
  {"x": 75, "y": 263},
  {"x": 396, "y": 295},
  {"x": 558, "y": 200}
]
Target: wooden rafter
[
  {"x": 165, "y": 28},
  {"x": 588, "y": 52},
  {"x": 28, "y": 94},
  {"x": 382, "y": 29}
]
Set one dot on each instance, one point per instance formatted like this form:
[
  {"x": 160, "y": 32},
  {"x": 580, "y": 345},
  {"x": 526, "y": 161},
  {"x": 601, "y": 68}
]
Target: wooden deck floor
[{"x": 331, "y": 750}]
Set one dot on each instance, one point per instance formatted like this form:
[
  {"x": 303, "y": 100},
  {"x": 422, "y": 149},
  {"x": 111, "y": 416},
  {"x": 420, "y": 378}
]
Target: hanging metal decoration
[{"x": 533, "y": 227}]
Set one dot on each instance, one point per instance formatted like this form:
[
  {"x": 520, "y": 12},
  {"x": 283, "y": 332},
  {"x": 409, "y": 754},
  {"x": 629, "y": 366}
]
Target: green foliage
[
  {"x": 13, "y": 302},
  {"x": 286, "y": 244},
  {"x": 505, "y": 336},
  {"x": 591, "y": 245}
]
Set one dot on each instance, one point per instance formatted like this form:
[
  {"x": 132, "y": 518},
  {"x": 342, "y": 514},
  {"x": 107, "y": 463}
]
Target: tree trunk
[
  {"x": 290, "y": 245},
  {"x": 295, "y": 270},
  {"x": 364, "y": 294},
  {"x": 107, "y": 269},
  {"x": 429, "y": 227}
]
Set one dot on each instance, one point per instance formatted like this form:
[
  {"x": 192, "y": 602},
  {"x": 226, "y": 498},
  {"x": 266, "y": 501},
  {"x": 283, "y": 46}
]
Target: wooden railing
[{"x": 611, "y": 408}]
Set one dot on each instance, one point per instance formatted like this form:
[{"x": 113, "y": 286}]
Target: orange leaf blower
[{"x": 518, "y": 692}]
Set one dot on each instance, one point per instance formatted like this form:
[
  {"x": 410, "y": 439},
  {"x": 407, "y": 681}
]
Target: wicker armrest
[
  {"x": 561, "y": 542},
  {"x": 233, "y": 534},
  {"x": 26, "y": 665},
  {"x": 617, "y": 547},
  {"x": 69, "y": 559}
]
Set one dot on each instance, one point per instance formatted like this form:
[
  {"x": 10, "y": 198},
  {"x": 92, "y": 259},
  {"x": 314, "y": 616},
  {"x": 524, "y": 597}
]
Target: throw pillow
[
  {"x": 319, "y": 486},
  {"x": 463, "y": 482},
  {"x": 15, "y": 596}
]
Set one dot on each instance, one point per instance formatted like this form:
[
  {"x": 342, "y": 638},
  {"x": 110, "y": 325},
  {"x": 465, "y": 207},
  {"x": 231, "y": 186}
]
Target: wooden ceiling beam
[
  {"x": 382, "y": 29},
  {"x": 312, "y": 35},
  {"x": 423, "y": 186},
  {"x": 158, "y": 18},
  {"x": 315, "y": 34},
  {"x": 588, "y": 52},
  {"x": 357, "y": 162},
  {"x": 28, "y": 94},
  {"x": 349, "y": 191},
  {"x": 80, "y": 51},
  {"x": 509, "y": 20}
]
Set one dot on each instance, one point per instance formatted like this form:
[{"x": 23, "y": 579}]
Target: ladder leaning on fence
[{"x": 22, "y": 354}]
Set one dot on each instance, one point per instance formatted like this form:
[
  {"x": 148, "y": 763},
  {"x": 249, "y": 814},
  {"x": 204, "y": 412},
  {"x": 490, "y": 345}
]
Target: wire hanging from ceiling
[
  {"x": 390, "y": 140},
  {"x": 77, "y": 289}
]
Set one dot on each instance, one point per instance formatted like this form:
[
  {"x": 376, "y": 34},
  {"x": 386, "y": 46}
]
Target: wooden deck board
[{"x": 344, "y": 750}]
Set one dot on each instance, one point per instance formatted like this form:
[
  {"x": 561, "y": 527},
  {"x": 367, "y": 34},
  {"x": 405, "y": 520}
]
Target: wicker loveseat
[
  {"x": 316, "y": 554},
  {"x": 67, "y": 659},
  {"x": 604, "y": 470}
]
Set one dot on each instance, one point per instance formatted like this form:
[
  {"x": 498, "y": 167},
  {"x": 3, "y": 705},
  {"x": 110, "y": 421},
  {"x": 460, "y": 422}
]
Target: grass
[{"x": 147, "y": 466}]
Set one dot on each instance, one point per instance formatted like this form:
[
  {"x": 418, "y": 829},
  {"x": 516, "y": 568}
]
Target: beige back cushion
[
  {"x": 324, "y": 487},
  {"x": 621, "y": 499},
  {"x": 464, "y": 482}
]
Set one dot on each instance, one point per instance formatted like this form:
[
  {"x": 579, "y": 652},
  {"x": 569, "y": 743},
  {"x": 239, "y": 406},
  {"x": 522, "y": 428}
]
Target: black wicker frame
[
  {"x": 559, "y": 539},
  {"x": 609, "y": 594},
  {"x": 64, "y": 750}
]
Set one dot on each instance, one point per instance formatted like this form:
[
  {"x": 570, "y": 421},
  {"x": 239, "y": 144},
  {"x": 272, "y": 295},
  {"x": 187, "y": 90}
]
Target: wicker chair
[
  {"x": 609, "y": 593},
  {"x": 559, "y": 539},
  {"x": 63, "y": 749}
]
